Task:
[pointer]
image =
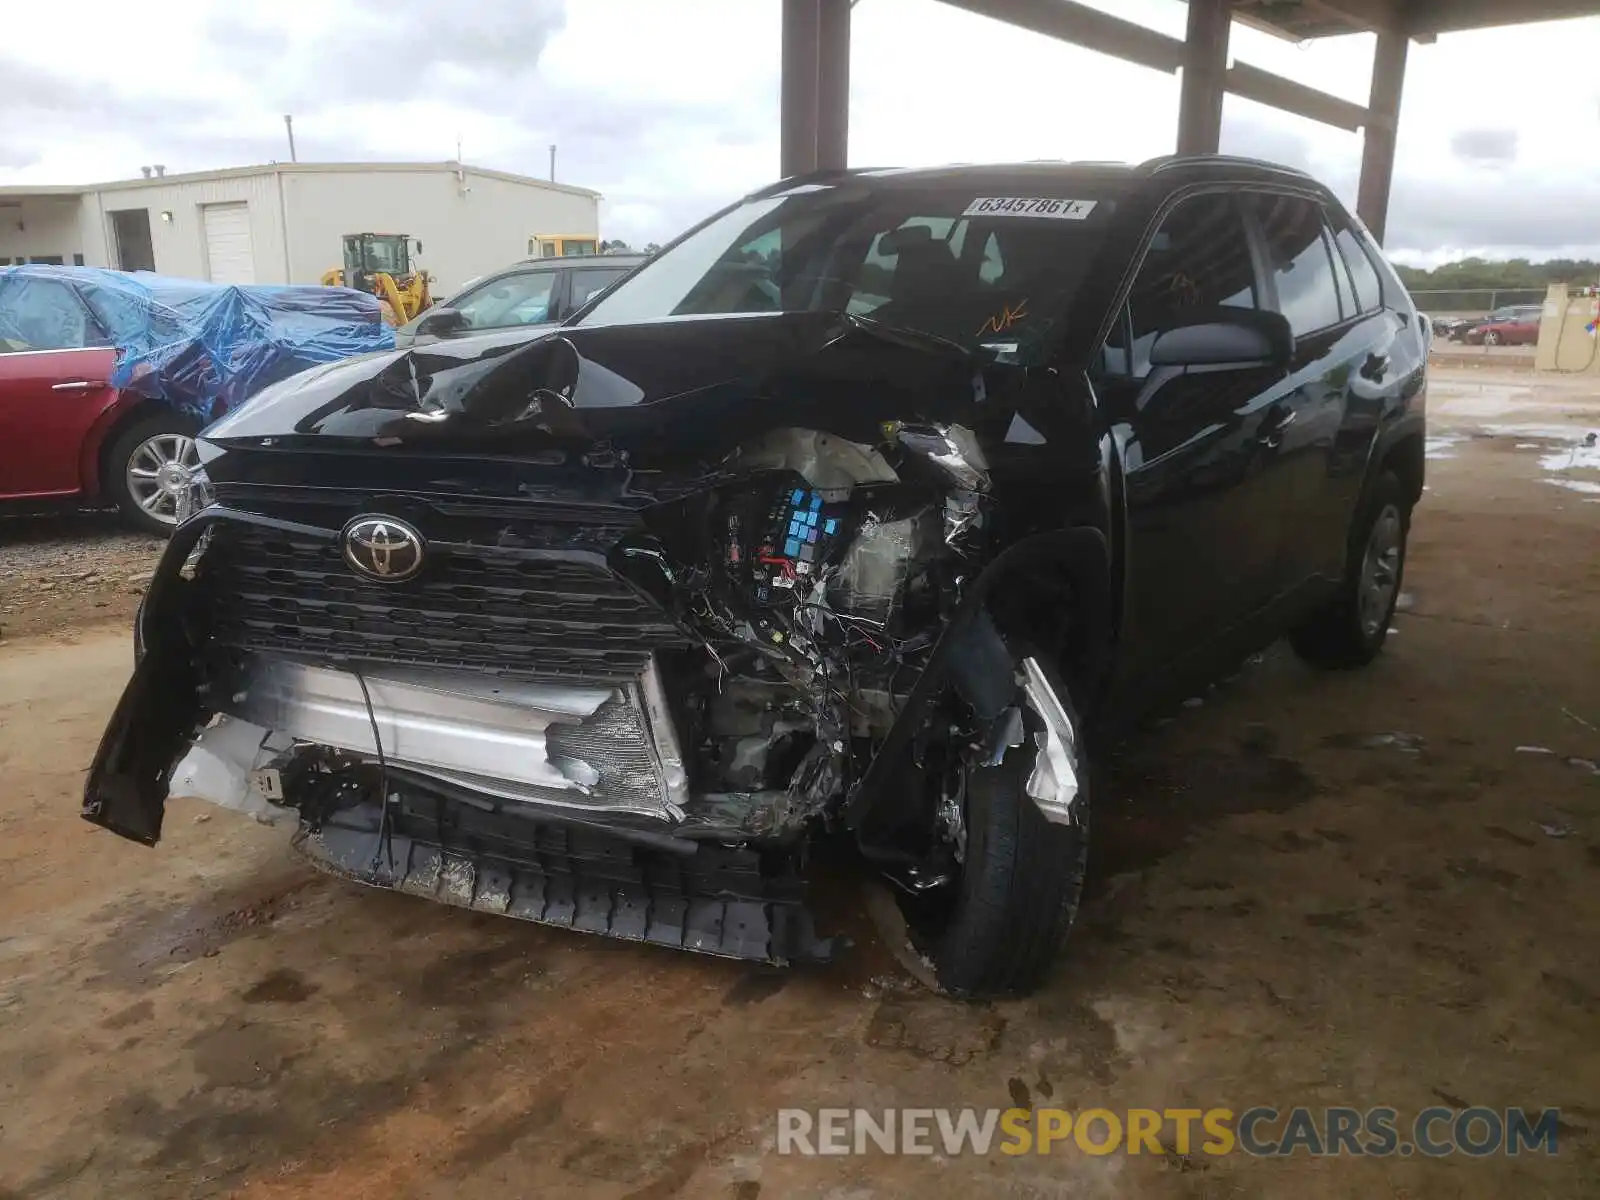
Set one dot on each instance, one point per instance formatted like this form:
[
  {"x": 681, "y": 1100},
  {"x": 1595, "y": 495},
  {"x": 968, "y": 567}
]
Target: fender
[
  {"x": 1083, "y": 553},
  {"x": 122, "y": 407}
]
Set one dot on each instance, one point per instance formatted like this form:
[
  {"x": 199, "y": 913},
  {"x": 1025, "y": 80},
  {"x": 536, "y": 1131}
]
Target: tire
[
  {"x": 1020, "y": 883},
  {"x": 147, "y": 439},
  {"x": 1491, "y": 338},
  {"x": 1351, "y": 629}
]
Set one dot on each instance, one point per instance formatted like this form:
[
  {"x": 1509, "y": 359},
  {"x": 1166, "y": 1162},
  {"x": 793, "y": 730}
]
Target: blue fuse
[
  {"x": 791, "y": 547},
  {"x": 811, "y": 535},
  {"x": 811, "y": 518},
  {"x": 830, "y": 526},
  {"x": 816, "y": 501},
  {"x": 798, "y": 498}
]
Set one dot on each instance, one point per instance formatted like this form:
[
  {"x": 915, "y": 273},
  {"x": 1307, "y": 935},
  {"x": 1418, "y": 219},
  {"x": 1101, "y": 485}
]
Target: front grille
[{"x": 552, "y": 621}]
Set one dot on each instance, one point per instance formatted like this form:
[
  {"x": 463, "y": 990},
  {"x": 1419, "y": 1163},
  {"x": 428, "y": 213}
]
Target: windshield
[{"x": 967, "y": 264}]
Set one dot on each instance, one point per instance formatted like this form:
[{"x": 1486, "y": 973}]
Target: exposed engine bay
[
  {"x": 815, "y": 587},
  {"x": 630, "y": 702}
]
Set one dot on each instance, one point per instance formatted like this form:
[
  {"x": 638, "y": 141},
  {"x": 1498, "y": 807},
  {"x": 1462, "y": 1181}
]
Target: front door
[
  {"x": 54, "y": 384},
  {"x": 1198, "y": 450}
]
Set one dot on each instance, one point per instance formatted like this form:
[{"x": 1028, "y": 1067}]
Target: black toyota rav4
[{"x": 862, "y": 515}]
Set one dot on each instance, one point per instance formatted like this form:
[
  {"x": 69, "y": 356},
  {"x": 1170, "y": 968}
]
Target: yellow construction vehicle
[
  {"x": 380, "y": 263},
  {"x": 562, "y": 245}
]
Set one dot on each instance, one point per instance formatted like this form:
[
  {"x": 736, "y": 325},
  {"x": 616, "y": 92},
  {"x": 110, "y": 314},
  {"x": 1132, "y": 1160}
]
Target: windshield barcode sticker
[{"x": 1030, "y": 206}]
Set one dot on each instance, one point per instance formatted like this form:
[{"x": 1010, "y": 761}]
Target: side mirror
[
  {"x": 1226, "y": 337},
  {"x": 417, "y": 244},
  {"x": 440, "y": 322}
]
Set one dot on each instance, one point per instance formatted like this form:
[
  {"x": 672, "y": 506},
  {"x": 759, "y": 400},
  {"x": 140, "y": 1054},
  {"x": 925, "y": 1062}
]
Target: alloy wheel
[
  {"x": 160, "y": 470},
  {"x": 1380, "y": 569}
]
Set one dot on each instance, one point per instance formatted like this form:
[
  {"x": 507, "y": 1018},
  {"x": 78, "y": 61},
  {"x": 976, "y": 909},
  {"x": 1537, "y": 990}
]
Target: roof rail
[{"x": 1167, "y": 162}]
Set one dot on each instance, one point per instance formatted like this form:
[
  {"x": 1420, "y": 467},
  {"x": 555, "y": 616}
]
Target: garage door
[{"x": 228, "y": 252}]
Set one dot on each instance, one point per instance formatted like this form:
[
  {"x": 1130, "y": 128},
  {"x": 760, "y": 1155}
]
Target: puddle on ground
[{"x": 1146, "y": 808}]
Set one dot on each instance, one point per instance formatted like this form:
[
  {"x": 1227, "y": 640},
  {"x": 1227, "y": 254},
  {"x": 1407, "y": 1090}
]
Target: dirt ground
[{"x": 1348, "y": 890}]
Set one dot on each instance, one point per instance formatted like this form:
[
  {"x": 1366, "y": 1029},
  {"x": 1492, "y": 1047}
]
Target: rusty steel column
[
  {"x": 1205, "y": 76},
  {"x": 1383, "y": 123},
  {"x": 833, "y": 84},
  {"x": 802, "y": 44}
]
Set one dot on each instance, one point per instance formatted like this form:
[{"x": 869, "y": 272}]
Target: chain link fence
[{"x": 1474, "y": 301}]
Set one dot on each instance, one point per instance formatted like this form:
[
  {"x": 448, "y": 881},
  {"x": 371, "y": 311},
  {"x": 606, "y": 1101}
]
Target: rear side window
[
  {"x": 591, "y": 281},
  {"x": 1301, "y": 261},
  {"x": 1199, "y": 258},
  {"x": 1358, "y": 260}
]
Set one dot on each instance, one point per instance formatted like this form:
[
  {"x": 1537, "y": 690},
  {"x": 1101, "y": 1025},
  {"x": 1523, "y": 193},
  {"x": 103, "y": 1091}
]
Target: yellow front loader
[{"x": 380, "y": 263}]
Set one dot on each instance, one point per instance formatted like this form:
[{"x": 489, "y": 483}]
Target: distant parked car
[
  {"x": 1515, "y": 326},
  {"x": 535, "y": 292},
  {"x": 106, "y": 377}
]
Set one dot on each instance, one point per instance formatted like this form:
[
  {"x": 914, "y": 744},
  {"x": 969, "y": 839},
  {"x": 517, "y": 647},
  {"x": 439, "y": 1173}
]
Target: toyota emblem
[{"x": 382, "y": 548}]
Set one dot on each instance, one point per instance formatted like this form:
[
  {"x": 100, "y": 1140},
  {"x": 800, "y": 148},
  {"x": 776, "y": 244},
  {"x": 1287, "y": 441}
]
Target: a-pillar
[
  {"x": 1377, "y": 154},
  {"x": 815, "y": 91},
  {"x": 1205, "y": 77}
]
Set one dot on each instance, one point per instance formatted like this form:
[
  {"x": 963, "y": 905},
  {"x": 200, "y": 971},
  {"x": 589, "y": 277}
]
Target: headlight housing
[{"x": 198, "y": 495}]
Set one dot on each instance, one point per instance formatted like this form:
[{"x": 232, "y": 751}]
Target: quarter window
[
  {"x": 1368, "y": 283},
  {"x": 1298, "y": 253}
]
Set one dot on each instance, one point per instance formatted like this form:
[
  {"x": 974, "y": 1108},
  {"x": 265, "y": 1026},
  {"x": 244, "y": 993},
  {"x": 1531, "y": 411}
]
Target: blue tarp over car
[{"x": 202, "y": 347}]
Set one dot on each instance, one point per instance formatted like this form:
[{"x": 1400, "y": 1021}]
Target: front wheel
[
  {"x": 149, "y": 467},
  {"x": 1352, "y": 628},
  {"x": 1491, "y": 339},
  {"x": 1021, "y": 875}
]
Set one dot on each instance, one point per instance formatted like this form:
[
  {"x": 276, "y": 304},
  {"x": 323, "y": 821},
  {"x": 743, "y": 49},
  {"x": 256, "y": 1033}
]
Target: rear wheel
[
  {"x": 998, "y": 927},
  {"x": 1352, "y": 628},
  {"x": 149, "y": 466},
  {"x": 1491, "y": 338}
]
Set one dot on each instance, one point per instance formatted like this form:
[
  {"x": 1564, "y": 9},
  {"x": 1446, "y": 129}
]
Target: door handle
[
  {"x": 76, "y": 385},
  {"x": 1277, "y": 423}
]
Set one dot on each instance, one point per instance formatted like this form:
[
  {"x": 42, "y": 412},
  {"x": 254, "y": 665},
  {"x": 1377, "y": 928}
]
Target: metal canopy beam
[
  {"x": 815, "y": 91},
  {"x": 1452, "y": 16},
  {"x": 1377, "y": 151},
  {"x": 1084, "y": 26},
  {"x": 1205, "y": 77},
  {"x": 1095, "y": 30},
  {"x": 802, "y": 51},
  {"x": 1274, "y": 90}
]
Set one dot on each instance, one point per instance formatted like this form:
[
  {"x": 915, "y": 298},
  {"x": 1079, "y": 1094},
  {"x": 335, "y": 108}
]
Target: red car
[
  {"x": 67, "y": 435},
  {"x": 1518, "y": 327}
]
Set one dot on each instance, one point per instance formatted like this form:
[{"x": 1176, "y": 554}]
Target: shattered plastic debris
[
  {"x": 1556, "y": 829},
  {"x": 1406, "y": 743},
  {"x": 1585, "y": 764},
  {"x": 1406, "y": 602},
  {"x": 1534, "y": 750},
  {"x": 1443, "y": 445},
  {"x": 1193, "y": 702}
]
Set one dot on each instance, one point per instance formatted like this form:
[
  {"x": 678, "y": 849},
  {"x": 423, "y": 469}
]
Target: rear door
[
  {"x": 1347, "y": 368},
  {"x": 54, "y": 383}
]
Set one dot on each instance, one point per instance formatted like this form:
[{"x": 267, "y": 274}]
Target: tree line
[{"x": 1482, "y": 274}]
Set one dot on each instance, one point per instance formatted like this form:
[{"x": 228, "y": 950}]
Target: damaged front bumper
[{"x": 561, "y": 804}]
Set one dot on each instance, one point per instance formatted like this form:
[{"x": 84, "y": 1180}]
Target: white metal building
[{"x": 284, "y": 223}]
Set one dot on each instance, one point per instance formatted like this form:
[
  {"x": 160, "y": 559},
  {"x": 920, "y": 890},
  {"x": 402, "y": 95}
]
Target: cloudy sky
[{"x": 669, "y": 107}]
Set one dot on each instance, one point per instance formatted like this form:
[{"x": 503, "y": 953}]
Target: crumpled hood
[{"x": 679, "y": 383}]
